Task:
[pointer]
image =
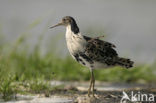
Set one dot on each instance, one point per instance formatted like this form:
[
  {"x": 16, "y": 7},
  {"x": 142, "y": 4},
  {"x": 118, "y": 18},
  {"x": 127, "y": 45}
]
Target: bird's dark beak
[{"x": 59, "y": 24}]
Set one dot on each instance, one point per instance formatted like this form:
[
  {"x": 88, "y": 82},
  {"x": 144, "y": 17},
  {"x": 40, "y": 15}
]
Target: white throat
[{"x": 69, "y": 33}]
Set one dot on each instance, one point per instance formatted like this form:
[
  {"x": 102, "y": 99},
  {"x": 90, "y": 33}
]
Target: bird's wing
[
  {"x": 99, "y": 42},
  {"x": 99, "y": 50}
]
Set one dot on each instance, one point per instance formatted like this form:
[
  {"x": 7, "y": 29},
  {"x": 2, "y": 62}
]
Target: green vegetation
[{"x": 22, "y": 71}]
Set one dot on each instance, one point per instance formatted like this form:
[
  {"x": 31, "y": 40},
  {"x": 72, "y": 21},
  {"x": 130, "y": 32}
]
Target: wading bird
[{"x": 91, "y": 52}]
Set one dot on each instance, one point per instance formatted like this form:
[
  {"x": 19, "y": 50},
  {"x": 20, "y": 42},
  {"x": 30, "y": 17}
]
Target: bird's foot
[
  {"x": 89, "y": 95},
  {"x": 93, "y": 93},
  {"x": 88, "y": 92}
]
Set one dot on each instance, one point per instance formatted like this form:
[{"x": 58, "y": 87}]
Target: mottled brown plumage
[{"x": 102, "y": 51}]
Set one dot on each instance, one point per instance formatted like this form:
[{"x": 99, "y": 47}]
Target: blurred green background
[{"x": 31, "y": 54}]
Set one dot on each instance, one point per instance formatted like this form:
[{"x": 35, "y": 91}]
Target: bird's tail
[{"x": 124, "y": 62}]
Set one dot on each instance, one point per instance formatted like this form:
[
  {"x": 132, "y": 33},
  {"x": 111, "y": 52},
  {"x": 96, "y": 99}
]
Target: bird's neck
[
  {"x": 75, "y": 42},
  {"x": 69, "y": 32},
  {"x": 72, "y": 30},
  {"x": 73, "y": 26}
]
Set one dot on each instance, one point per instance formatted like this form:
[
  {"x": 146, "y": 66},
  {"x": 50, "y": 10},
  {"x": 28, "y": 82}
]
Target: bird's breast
[{"x": 75, "y": 43}]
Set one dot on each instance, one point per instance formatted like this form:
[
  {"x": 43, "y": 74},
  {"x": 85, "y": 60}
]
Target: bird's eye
[{"x": 64, "y": 19}]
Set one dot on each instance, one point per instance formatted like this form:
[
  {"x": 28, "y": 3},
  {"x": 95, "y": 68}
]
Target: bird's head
[{"x": 66, "y": 21}]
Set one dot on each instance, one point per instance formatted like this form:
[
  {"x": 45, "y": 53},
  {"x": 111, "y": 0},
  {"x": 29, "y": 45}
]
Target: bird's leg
[{"x": 93, "y": 82}]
